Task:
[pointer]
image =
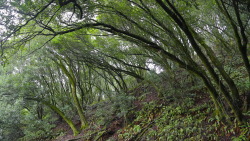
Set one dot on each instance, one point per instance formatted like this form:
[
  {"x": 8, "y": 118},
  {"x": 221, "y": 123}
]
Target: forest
[{"x": 124, "y": 70}]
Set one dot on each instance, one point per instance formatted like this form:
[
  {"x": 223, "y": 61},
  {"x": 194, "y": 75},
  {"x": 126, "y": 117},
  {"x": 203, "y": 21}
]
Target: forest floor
[
  {"x": 120, "y": 126},
  {"x": 115, "y": 125}
]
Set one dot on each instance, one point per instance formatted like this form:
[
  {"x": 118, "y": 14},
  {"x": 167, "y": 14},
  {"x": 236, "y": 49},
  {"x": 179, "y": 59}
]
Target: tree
[{"x": 164, "y": 29}]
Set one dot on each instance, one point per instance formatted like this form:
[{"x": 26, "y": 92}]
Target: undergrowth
[{"x": 181, "y": 121}]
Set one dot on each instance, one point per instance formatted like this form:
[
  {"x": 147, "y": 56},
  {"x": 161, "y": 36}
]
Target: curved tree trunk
[
  {"x": 58, "y": 111},
  {"x": 72, "y": 80}
]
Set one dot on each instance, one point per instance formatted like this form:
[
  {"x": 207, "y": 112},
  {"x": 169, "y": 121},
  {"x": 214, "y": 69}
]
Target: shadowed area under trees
[{"x": 124, "y": 70}]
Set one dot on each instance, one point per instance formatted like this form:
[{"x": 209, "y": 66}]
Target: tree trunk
[
  {"x": 58, "y": 111},
  {"x": 83, "y": 120}
]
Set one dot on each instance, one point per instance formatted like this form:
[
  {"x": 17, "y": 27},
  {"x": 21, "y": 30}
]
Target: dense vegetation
[{"x": 124, "y": 70}]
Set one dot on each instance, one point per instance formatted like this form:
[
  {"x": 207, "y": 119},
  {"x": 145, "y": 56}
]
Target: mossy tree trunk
[
  {"x": 193, "y": 38},
  {"x": 72, "y": 80},
  {"x": 58, "y": 111}
]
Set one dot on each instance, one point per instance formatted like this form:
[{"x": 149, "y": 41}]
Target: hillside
[
  {"x": 126, "y": 70},
  {"x": 153, "y": 117}
]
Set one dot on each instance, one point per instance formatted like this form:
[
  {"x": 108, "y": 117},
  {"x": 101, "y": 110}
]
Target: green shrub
[{"x": 37, "y": 129}]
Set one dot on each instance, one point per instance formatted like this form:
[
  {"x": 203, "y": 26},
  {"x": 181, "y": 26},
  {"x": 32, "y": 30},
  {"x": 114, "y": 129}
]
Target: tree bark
[{"x": 58, "y": 111}]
